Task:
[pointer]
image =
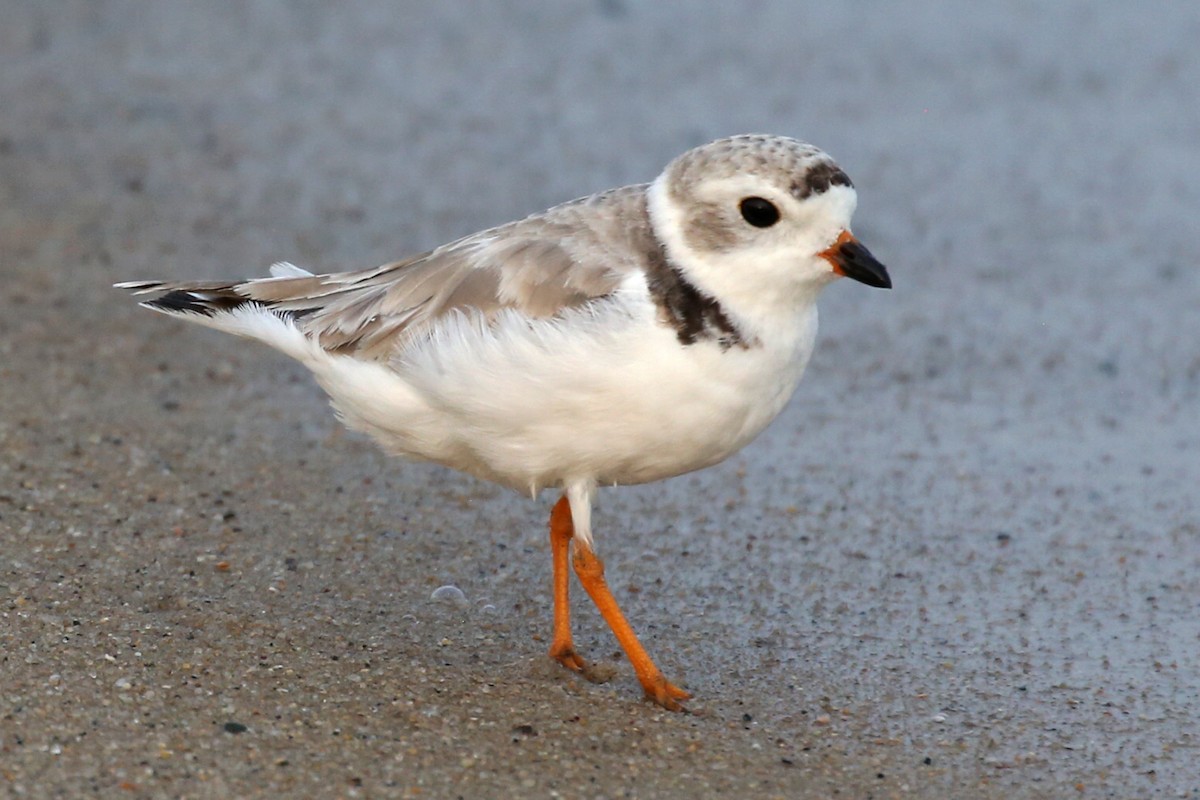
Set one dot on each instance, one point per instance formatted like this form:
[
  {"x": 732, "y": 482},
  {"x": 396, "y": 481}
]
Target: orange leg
[
  {"x": 590, "y": 570},
  {"x": 562, "y": 648}
]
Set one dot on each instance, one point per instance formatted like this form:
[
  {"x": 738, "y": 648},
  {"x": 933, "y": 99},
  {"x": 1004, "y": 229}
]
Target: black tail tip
[{"x": 179, "y": 301}]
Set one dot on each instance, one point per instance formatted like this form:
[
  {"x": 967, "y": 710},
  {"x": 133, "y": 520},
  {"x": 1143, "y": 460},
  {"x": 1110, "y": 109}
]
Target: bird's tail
[
  {"x": 244, "y": 308},
  {"x": 208, "y": 299}
]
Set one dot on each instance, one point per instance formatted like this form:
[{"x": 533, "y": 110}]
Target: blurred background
[{"x": 963, "y": 562}]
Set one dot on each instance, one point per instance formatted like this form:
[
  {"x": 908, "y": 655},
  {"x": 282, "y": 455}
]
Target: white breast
[{"x": 605, "y": 393}]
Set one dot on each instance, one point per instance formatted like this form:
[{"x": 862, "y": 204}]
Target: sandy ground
[{"x": 965, "y": 561}]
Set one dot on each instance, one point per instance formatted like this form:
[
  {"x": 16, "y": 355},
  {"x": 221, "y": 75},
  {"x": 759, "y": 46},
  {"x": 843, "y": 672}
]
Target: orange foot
[
  {"x": 590, "y": 570},
  {"x": 659, "y": 690},
  {"x": 569, "y": 658},
  {"x": 565, "y": 654}
]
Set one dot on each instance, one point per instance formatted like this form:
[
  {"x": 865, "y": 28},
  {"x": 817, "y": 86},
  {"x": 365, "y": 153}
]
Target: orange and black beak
[{"x": 851, "y": 259}]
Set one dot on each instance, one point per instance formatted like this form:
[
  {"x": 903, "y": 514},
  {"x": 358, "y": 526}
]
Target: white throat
[{"x": 757, "y": 289}]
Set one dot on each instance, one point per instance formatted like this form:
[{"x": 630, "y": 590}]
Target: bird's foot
[
  {"x": 666, "y": 694},
  {"x": 593, "y": 673},
  {"x": 565, "y": 654}
]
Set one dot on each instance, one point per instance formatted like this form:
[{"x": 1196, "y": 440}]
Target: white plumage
[{"x": 622, "y": 338}]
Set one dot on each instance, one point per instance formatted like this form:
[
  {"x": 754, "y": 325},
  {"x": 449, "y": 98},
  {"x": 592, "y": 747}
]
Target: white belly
[{"x": 611, "y": 397}]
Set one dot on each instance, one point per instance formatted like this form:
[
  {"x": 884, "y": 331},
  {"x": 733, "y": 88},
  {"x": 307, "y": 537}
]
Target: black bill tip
[{"x": 851, "y": 258}]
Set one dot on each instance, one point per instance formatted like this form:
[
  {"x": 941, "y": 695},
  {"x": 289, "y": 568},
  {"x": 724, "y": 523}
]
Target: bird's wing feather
[{"x": 539, "y": 266}]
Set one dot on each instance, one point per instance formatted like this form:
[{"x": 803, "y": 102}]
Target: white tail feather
[{"x": 284, "y": 269}]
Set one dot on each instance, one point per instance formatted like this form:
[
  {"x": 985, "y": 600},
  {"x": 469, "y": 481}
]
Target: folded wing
[{"x": 572, "y": 254}]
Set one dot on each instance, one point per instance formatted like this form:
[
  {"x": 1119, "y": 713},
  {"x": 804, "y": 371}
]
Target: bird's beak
[{"x": 850, "y": 258}]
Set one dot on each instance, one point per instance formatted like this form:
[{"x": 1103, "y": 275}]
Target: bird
[{"x": 625, "y": 337}]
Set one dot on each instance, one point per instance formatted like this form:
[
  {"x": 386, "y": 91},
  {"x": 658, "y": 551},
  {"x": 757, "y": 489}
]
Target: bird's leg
[
  {"x": 562, "y": 648},
  {"x": 590, "y": 570}
]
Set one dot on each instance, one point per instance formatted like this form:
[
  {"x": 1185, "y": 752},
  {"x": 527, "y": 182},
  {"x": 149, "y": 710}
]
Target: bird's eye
[{"x": 759, "y": 212}]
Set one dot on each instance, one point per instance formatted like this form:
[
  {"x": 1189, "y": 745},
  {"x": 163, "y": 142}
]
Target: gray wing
[{"x": 572, "y": 254}]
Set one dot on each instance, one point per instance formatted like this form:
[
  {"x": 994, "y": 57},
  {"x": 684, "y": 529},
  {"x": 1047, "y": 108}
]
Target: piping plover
[{"x": 625, "y": 337}]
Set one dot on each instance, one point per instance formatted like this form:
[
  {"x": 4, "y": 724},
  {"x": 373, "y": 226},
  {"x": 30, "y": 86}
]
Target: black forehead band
[{"x": 818, "y": 179}]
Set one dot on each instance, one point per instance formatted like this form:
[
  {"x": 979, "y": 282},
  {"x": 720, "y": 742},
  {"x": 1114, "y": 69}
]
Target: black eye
[{"x": 759, "y": 212}]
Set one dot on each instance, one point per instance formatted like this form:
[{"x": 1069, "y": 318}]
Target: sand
[{"x": 964, "y": 562}]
